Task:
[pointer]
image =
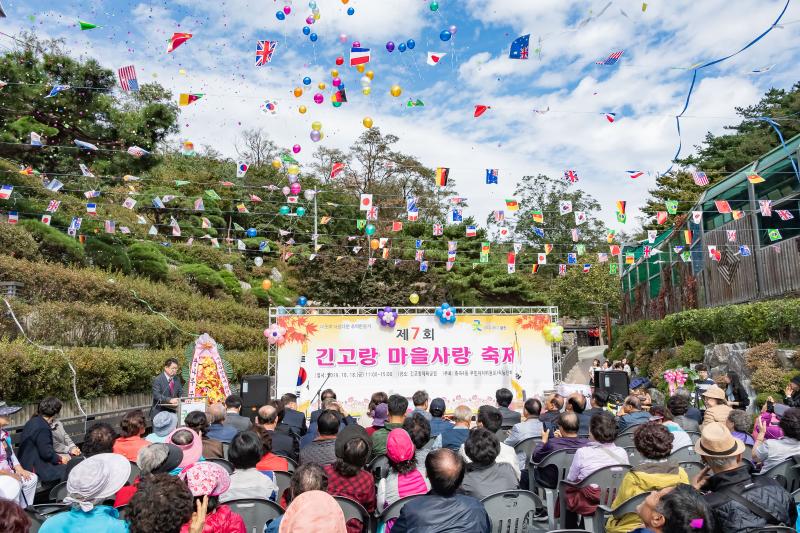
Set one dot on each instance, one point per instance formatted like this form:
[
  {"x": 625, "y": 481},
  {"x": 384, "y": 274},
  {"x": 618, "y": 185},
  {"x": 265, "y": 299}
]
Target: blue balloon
[
  {"x": 251, "y": 232},
  {"x": 280, "y": 15},
  {"x": 341, "y": 86},
  {"x": 401, "y": 47},
  {"x": 302, "y": 300},
  {"x": 411, "y": 44},
  {"x": 306, "y": 30},
  {"x": 313, "y": 37},
  {"x": 298, "y": 310},
  {"x": 306, "y": 81},
  {"x": 445, "y": 35},
  {"x": 351, "y": 11}
]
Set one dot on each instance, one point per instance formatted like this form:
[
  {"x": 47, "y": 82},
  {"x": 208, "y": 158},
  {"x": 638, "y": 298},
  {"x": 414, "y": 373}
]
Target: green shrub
[
  {"x": 108, "y": 255},
  {"x": 232, "y": 285},
  {"x": 53, "y": 244},
  {"x": 202, "y": 278},
  {"x": 691, "y": 352},
  {"x": 147, "y": 260},
  {"x": 16, "y": 241}
]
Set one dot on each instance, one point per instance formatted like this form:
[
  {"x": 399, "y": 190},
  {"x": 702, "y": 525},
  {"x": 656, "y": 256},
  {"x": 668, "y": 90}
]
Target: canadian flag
[{"x": 435, "y": 57}]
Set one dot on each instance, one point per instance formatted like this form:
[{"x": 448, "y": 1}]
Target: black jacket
[
  {"x": 285, "y": 444},
  {"x": 295, "y": 420},
  {"x": 36, "y": 452},
  {"x": 161, "y": 393},
  {"x": 732, "y": 516},
  {"x": 432, "y": 512},
  {"x": 793, "y": 400},
  {"x": 509, "y": 417}
]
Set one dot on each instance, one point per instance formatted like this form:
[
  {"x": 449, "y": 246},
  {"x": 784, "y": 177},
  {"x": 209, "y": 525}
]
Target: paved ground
[{"x": 580, "y": 372}]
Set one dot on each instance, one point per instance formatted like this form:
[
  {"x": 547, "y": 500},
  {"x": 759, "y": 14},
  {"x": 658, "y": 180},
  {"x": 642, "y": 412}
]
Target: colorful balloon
[
  {"x": 286, "y": 190},
  {"x": 266, "y": 284},
  {"x": 302, "y": 300},
  {"x": 275, "y": 334},
  {"x": 369, "y": 229},
  {"x": 342, "y": 38},
  {"x": 351, "y": 11},
  {"x": 306, "y": 81},
  {"x": 390, "y": 47},
  {"x": 446, "y": 314},
  {"x": 280, "y": 16},
  {"x": 318, "y": 98},
  {"x": 365, "y": 81},
  {"x": 316, "y": 125},
  {"x": 276, "y": 163},
  {"x": 453, "y": 29},
  {"x": 340, "y": 60},
  {"x": 287, "y": 9},
  {"x": 298, "y": 92},
  {"x": 396, "y": 90},
  {"x": 306, "y": 30},
  {"x": 295, "y": 188},
  {"x": 374, "y": 244},
  {"x": 367, "y": 122},
  {"x": 284, "y": 210},
  {"x": 370, "y": 74},
  {"x": 411, "y": 43},
  {"x": 313, "y": 37},
  {"x": 445, "y": 35},
  {"x": 302, "y": 109},
  {"x": 296, "y": 148},
  {"x": 334, "y": 73},
  {"x": 387, "y": 317},
  {"x": 300, "y": 211},
  {"x": 251, "y": 232},
  {"x": 321, "y": 86},
  {"x": 414, "y": 298},
  {"x": 309, "y": 194},
  {"x": 315, "y": 136},
  {"x": 336, "y": 82},
  {"x": 360, "y": 68},
  {"x": 401, "y": 47},
  {"x": 366, "y": 90},
  {"x": 310, "y": 20},
  {"x": 293, "y": 170},
  {"x": 434, "y": 6},
  {"x": 356, "y": 44}
]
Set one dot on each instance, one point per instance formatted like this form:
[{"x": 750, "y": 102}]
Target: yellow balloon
[
  {"x": 370, "y": 74},
  {"x": 316, "y": 16},
  {"x": 367, "y": 122},
  {"x": 366, "y": 91},
  {"x": 294, "y": 170},
  {"x": 322, "y": 86},
  {"x": 360, "y": 68},
  {"x": 374, "y": 244},
  {"x": 334, "y": 73},
  {"x": 298, "y": 92},
  {"x": 302, "y": 109},
  {"x": 396, "y": 90},
  {"x": 276, "y": 163},
  {"x": 414, "y": 298},
  {"x": 316, "y": 125},
  {"x": 266, "y": 284}
]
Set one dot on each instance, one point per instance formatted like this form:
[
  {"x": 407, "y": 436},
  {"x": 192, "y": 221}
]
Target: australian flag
[
  {"x": 519, "y": 48},
  {"x": 491, "y": 176}
]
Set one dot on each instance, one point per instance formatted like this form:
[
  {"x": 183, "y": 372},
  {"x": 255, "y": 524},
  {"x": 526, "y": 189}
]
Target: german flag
[
  {"x": 534, "y": 269},
  {"x": 687, "y": 237},
  {"x": 442, "y": 174}
]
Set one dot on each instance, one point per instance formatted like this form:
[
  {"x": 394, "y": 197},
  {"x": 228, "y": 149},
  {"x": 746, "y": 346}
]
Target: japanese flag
[
  {"x": 435, "y": 57},
  {"x": 366, "y": 202},
  {"x": 542, "y": 259}
]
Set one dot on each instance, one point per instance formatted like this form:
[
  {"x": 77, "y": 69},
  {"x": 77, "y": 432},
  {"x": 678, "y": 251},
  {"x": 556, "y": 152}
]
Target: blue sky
[{"x": 646, "y": 89}]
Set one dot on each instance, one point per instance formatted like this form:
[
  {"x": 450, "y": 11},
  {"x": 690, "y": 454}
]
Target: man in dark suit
[
  {"x": 269, "y": 416},
  {"x": 504, "y": 397},
  {"x": 233, "y": 406},
  {"x": 293, "y": 420},
  {"x": 327, "y": 394},
  {"x": 166, "y": 387}
]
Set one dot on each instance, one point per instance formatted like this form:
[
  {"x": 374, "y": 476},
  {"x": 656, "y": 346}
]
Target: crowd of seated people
[{"x": 190, "y": 475}]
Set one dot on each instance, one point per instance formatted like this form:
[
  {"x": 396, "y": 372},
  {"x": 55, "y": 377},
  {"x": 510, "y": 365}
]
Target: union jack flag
[
  {"x": 571, "y": 176},
  {"x": 785, "y": 214},
  {"x": 700, "y": 178},
  {"x": 264, "y": 51},
  {"x": 438, "y": 229},
  {"x": 52, "y": 207},
  {"x": 611, "y": 59}
]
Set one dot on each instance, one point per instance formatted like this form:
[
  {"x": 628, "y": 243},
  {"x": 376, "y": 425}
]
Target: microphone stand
[{"x": 319, "y": 390}]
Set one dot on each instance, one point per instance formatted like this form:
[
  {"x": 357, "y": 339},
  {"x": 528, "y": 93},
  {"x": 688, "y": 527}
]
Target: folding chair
[
  {"x": 59, "y": 492},
  {"x": 352, "y": 509},
  {"x": 562, "y": 461},
  {"x": 283, "y": 480},
  {"x": 627, "y": 507},
  {"x": 692, "y": 469},
  {"x": 379, "y": 466},
  {"x": 135, "y": 471},
  {"x": 292, "y": 464},
  {"x": 685, "y": 455},
  {"x": 634, "y": 457},
  {"x": 624, "y": 440},
  {"x": 502, "y": 433},
  {"x": 255, "y": 512},
  {"x": 393, "y": 511},
  {"x": 787, "y": 473},
  {"x": 39, "y": 513},
  {"x": 607, "y": 480},
  {"x": 512, "y": 511},
  {"x": 694, "y": 435},
  {"x": 527, "y": 446}
]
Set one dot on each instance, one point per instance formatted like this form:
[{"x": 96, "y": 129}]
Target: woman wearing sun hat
[
  {"x": 717, "y": 408},
  {"x": 207, "y": 481},
  {"x": 92, "y": 481},
  {"x": 9, "y": 464},
  {"x": 191, "y": 445}
]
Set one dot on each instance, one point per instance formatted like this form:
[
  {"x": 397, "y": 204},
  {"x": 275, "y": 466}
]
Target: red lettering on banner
[
  {"x": 368, "y": 356},
  {"x": 325, "y": 357},
  {"x": 490, "y": 353},
  {"x": 508, "y": 354}
]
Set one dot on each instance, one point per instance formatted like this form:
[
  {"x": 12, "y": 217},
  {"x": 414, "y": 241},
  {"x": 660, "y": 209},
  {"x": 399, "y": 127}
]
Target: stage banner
[{"x": 464, "y": 363}]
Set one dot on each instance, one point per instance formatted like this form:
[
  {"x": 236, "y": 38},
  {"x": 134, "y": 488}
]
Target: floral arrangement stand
[
  {"x": 207, "y": 373},
  {"x": 680, "y": 378}
]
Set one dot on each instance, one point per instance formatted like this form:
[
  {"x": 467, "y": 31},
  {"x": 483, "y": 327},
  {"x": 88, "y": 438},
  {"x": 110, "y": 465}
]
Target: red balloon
[{"x": 339, "y": 60}]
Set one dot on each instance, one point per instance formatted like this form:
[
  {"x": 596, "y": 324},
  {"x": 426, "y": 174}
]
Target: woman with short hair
[
  {"x": 130, "y": 441},
  {"x": 247, "y": 481}
]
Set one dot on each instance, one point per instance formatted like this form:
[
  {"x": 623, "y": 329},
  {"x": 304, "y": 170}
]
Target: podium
[{"x": 186, "y": 405}]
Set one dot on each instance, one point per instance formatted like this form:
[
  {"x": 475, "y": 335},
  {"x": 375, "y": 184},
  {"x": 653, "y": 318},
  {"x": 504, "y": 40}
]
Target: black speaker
[
  {"x": 616, "y": 382},
  {"x": 254, "y": 391}
]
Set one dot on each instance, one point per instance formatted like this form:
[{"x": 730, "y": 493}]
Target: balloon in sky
[
  {"x": 411, "y": 43},
  {"x": 286, "y": 190},
  {"x": 313, "y": 37},
  {"x": 336, "y": 82},
  {"x": 306, "y": 81},
  {"x": 345, "y": 1},
  {"x": 315, "y": 136},
  {"x": 370, "y": 74},
  {"x": 445, "y": 35},
  {"x": 342, "y": 37},
  {"x": 310, "y": 20},
  {"x": 298, "y": 92},
  {"x": 340, "y": 60},
  {"x": 390, "y": 46},
  {"x": 453, "y": 29},
  {"x": 316, "y": 125},
  {"x": 302, "y": 109},
  {"x": 401, "y": 47},
  {"x": 280, "y": 16},
  {"x": 300, "y": 211},
  {"x": 321, "y": 86},
  {"x": 306, "y": 30},
  {"x": 284, "y": 210},
  {"x": 366, "y": 91},
  {"x": 434, "y": 6},
  {"x": 296, "y": 148},
  {"x": 365, "y": 81},
  {"x": 287, "y": 9},
  {"x": 356, "y": 44},
  {"x": 367, "y": 122},
  {"x": 295, "y": 188},
  {"x": 360, "y": 68},
  {"x": 276, "y": 163},
  {"x": 334, "y": 73},
  {"x": 414, "y": 298},
  {"x": 351, "y": 11},
  {"x": 293, "y": 170},
  {"x": 396, "y": 90},
  {"x": 318, "y": 98}
]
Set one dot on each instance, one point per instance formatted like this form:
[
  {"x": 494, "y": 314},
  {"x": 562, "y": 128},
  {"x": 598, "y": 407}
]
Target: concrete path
[{"x": 580, "y": 372}]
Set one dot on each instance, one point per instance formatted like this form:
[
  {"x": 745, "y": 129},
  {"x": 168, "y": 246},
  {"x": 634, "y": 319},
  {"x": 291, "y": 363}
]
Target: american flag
[
  {"x": 611, "y": 59},
  {"x": 264, "y": 51},
  {"x": 700, "y": 178},
  {"x": 571, "y": 176},
  {"x": 127, "y": 78}
]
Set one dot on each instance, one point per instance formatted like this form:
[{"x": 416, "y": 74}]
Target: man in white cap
[
  {"x": 14, "y": 478},
  {"x": 90, "y": 483}
]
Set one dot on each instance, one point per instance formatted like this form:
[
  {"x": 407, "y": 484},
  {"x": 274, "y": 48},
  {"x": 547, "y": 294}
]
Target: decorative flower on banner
[
  {"x": 275, "y": 334},
  {"x": 534, "y": 322},
  {"x": 387, "y": 317},
  {"x": 446, "y": 314}
]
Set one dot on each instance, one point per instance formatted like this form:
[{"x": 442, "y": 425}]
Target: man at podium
[{"x": 166, "y": 388}]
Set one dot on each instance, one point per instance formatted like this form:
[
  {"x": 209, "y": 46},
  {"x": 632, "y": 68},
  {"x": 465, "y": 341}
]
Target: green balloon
[
  {"x": 337, "y": 104},
  {"x": 434, "y": 6},
  {"x": 284, "y": 210},
  {"x": 300, "y": 211},
  {"x": 370, "y": 229}
]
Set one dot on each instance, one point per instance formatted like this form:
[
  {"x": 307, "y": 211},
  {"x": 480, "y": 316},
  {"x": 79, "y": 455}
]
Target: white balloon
[
  {"x": 309, "y": 194},
  {"x": 258, "y": 261},
  {"x": 365, "y": 81}
]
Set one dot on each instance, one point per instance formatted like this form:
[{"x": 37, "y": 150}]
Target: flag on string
[
  {"x": 442, "y": 174},
  {"x": 580, "y": 249},
  {"x": 722, "y": 206},
  {"x": 565, "y": 206},
  {"x": 633, "y": 174},
  {"x": 438, "y": 229},
  {"x": 687, "y": 237},
  {"x": 580, "y": 217},
  {"x": 731, "y": 235},
  {"x": 412, "y": 103},
  {"x": 57, "y": 89},
  {"x": 188, "y": 98},
  {"x": 571, "y": 176},
  {"x": 700, "y": 178},
  {"x": 541, "y": 259},
  {"x": 91, "y": 194},
  {"x": 784, "y": 214},
  {"x": 538, "y": 216},
  {"x": 613, "y": 269},
  {"x": 672, "y": 206},
  {"x": 774, "y": 235},
  {"x": 53, "y": 205},
  {"x": 714, "y": 253},
  {"x": 614, "y": 249},
  {"x": 766, "y": 207},
  {"x": 241, "y": 169},
  {"x": 661, "y": 217},
  {"x": 744, "y": 250},
  {"x": 199, "y": 205},
  {"x": 622, "y": 217},
  {"x": 372, "y": 213},
  {"x": 86, "y": 25},
  {"x": 611, "y": 117},
  {"x": 651, "y": 236},
  {"x": 255, "y": 199},
  {"x": 572, "y": 258},
  {"x": 110, "y": 226},
  {"x": 678, "y": 248},
  {"x": 755, "y": 178},
  {"x": 433, "y": 59},
  {"x": 127, "y": 78},
  {"x": 512, "y": 205},
  {"x": 611, "y": 235},
  {"x": 212, "y": 194},
  {"x": 602, "y": 257},
  {"x": 504, "y": 232},
  {"x": 397, "y": 226},
  {"x": 697, "y": 216},
  {"x": 472, "y": 231},
  {"x": 264, "y": 51},
  {"x": 176, "y": 40},
  {"x": 612, "y": 59},
  {"x": 74, "y": 226},
  {"x": 562, "y": 270},
  {"x": 359, "y": 56},
  {"x": 534, "y": 269},
  {"x": 737, "y": 214},
  {"x": 457, "y": 215},
  {"x": 492, "y": 175},
  {"x": 158, "y": 203},
  {"x": 646, "y": 251},
  {"x": 499, "y": 216},
  {"x": 242, "y": 208},
  {"x": 480, "y": 110},
  {"x": 85, "y": 146},
  {"x": 336, "y": 169},
  {"x": 46, "y": 219},
  {"x": 5, "y": 192},
  {"x": 54, "y": 185},
  {"x": 548, "y": 248},
  {"x": 576, "y": 235},
  {"x": 91, "y": 209},
  {"x": 586, "y": 268},
  {"x": 539, "y": 232},
  {"x": 85, "y": 171},
  {"x": 520, "y": 47},
  {"x": 630, "y": 259},
  {"x": 13, "y": 217},
  {"x": 137, "y": 152},
  {"x": 36, "y": 139},
  {"x": 129, "y": 203},
  {"x": 686, "y": 256}
]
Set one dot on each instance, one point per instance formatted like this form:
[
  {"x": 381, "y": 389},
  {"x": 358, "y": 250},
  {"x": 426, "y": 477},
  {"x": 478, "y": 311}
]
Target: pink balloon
[
  {"x": 287, "y": 9},
  {"x": 453, "y": 29},
  {"x": 310, "y": 20},
  {"x": 337, "y": 82},
  {"x": 286, "y": 191},
  {"x": 295, "y": 188},
  {"x": 356, "y": 44},
  {"x": 342, "y": 37},
  {"x": 296, "y": 148},
  {"x": 318, "y": 98}
]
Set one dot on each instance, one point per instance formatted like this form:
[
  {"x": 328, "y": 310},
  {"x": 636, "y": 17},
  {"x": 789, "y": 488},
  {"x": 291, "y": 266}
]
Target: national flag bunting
[
  {"x": 611, "y": 117},
  {"x": 442, "y": 173},
  {"x": 622, "y": 217},
  {"x": 520, "y": 47},
  {"x": 176, "y": 40},
  {"x": 5, "y": 192},
  {"x": 661, "y": 217},
  {"x": 433, "y": 59},
  {"x": 264, "y": 51},
  {"x": 722, "y": 206},
  {"x": 784, "y": 214},
  {"x": 538, "y": 216},
  {"x": 472, "y": 231},
  {"x": 633, "y": 174},
  {"x": 53, "y": 205},
  {"x": 492, "y": 175},
  {"x": 612, "y": 58},
  {"x": 127, "y": 78},
  {"x": 571, "y": 176},
  {"x": 336, "y": 169},
  {"x": 700, "y": 178},
  {"x": 512, "y": 205},
  {"x": 359, "y": 56},
  {"x": 755, "y": 178},
  {"x": 188, "y": 98}
]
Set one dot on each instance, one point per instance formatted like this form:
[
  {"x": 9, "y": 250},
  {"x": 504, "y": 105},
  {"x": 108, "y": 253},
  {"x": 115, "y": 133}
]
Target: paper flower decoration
[
  {"x": 275, "y": 335},
  {"x": 387, "y": 317},
  {"x": 446, "y": 314}
]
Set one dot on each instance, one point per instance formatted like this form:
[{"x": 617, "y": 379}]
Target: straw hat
[
  {"x": 715, "y": 392},
  {"x": 717, "y": 441}
]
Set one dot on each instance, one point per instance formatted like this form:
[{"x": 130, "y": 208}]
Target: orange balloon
[
  {"x": 266, "y": 284},
  {"x": 360, "y": 68},
  {"x": 374, "y": 244},
  {"x": 370, "y": 74},
  {"x": 298, "y": 92}
]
